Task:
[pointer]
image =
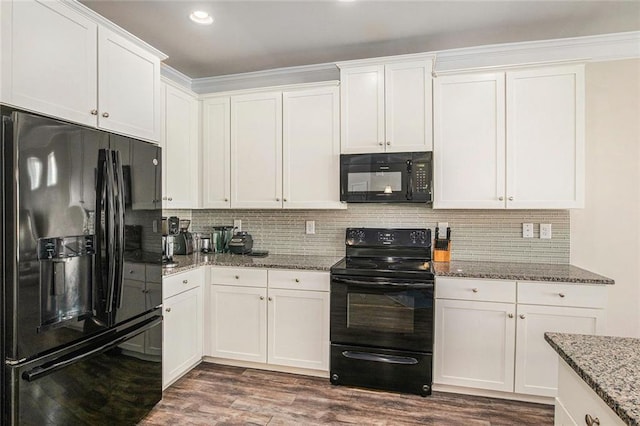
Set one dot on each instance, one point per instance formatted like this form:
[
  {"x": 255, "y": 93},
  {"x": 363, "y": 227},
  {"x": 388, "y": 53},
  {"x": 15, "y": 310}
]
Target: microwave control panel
[{"x": 421, "y": 173}]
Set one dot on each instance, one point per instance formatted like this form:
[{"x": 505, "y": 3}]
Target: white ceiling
[{"x": 258, "y": 35}]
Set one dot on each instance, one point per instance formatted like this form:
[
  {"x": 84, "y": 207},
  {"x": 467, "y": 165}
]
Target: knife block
[{"x": 442, "y": 254}]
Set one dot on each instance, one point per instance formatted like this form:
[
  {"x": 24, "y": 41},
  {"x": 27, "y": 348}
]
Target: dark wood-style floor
[{"x": 215, "y": 394}]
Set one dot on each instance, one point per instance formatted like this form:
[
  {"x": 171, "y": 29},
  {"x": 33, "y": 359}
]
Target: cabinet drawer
[
  {"x": 179, "y": 283},
  {"x": 299, "y": 280},
  {"x": 476, "y": 289},
  {"x": 247, "y": 277},
  {"x": 555, "y": 294},
  {"x": 134, "y": 271}
]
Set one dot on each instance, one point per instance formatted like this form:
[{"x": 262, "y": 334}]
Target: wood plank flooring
[{"x": 214, "y": 394}]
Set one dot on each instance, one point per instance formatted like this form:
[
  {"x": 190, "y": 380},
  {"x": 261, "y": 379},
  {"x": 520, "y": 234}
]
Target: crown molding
[
  {"x": 104, "y": 22},
  {"x": 273, "y": 77},
  {"x": 606, "y": 47},
  {"x": 175, "y": 76},
  {"x": 282, "y": 88},
  {"x": 428, "y": 56}
]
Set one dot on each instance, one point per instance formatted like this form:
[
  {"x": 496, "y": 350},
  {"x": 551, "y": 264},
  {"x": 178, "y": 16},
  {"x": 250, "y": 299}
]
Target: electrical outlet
[
  {"x": 237, "y": 223},
  {"x": 545, "y": 231},
  {"x": 527, "y": 230},
  {"x": 310, "y": 226}
]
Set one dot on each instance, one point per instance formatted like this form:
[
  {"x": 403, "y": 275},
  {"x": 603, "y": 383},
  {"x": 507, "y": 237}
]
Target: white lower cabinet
[
  {"x": 489, "y": 334},
  {"x": 576, "y": 401},
  {"x": 275, "y": 317},
  {"x": 183, "y": 323}
]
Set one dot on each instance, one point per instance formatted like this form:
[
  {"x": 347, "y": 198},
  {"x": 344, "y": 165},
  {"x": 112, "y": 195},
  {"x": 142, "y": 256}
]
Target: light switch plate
[
  {"x": 310, "y": 226},
  {"x": 545, "y": 231},
  {"x": 527, "y": 230}
]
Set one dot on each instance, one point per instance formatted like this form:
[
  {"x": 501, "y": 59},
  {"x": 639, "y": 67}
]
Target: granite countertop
[
  {"x": 282, "y": 261},
  {"x": 609, "y": 365},
  {"x": 519, "y": 271}
]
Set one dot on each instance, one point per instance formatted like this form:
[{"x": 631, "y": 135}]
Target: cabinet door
[
  {"x": 311, "y": 148},
  {"x": 545, "y": 138},
  {"x": 536, "y": 361},
  {"x": 469, "y": 141},
  {"x": 216, "y": 153},
  {"x": 129, "y": 87},
  {"x": 239, "y": 323},
  {"x": 49, "y": 60},
  {"x": 256, "y": 150},
  {"x": 299, "y": 328},
  {"x": 362, "y": 109},
  {"x": 474, "y": 344},
  {"x": 180, "y": 149},
  {"x": 408, "y": 116},
  {"x": 182, "y": 334}
]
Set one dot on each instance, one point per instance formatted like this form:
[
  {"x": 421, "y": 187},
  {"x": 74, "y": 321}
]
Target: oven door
[{"x": 382, "y": 312}]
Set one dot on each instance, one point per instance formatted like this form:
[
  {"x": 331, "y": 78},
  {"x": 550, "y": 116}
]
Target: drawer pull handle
[
  {"x": 475, "y": 290},
  {"x": 522, "y": 316},
  {"x": 591, "y": 421},
  {"x": 168, "y": 309},
  {"x": 185, "y": 281},
  {"x": 510, "y": 315},
  {"x": 261, "y": 297},
  {"x": 297, "y": 280},
  {"x": 561, "y": 294}
]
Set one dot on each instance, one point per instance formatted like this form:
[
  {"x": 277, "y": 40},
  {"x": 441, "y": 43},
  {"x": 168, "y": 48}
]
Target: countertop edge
[
  {"x": 608, "y": 399},
  {"x": 520, "y": 277}
]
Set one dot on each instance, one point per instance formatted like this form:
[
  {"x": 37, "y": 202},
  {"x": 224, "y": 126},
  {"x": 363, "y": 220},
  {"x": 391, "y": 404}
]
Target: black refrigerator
[{"x": 81, "y": 210}]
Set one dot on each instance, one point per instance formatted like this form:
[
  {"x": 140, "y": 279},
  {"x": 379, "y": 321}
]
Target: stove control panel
[{"x": 379, "y": 237}]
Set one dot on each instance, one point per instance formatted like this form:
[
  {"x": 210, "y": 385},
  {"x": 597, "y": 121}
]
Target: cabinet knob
[
  {"x": 510, "y": 198},
  {"x": 284, "y": 199},
  {"x": 510, "y": 315},
  {"x": 185, "y": 281},
  {"x": 297, "y": 280},
  {"x": 522, "y": 316},
  {"x": 226, "y": 199},
  {"x": 170, "y": 199},
  {"x": 388, "y": 143},
  {"x": 380, "y": 143},
  {"x": 591, "y": 421},
  {"x": 475, "y": 290},
  {"x": 168, "y": 309},
  {"x": 261, "y": 297},
  {"x": 501, "y": 198},
  {"x": 277, "y": 199},
  {"x": 131, "y": 271},
  {"x": 237, "y": 277},
  {"x": 94, "y": 112},
  {"x": 270, "y": 299},
  {"x": 561, "y": 294},
  {"x": 105, "y": 114}
]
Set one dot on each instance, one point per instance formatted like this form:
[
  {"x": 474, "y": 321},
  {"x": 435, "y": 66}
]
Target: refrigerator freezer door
[{"x": 102, "y": 382}]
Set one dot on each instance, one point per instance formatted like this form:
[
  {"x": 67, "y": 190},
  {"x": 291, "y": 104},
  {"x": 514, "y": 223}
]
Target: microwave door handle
[{"x": 409, "y": 192}]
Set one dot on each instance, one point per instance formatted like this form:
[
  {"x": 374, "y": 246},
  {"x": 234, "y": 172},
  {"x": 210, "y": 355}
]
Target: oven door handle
[
  {"x": 377, "y": 283},
  {"x": 387, "y": 359}
]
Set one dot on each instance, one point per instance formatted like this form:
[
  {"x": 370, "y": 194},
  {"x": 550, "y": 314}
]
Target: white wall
[{"x": 605, "y": 235}]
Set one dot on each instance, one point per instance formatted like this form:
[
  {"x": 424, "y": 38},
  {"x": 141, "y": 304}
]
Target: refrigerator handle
[
  {"x": 120, "y": 228},
  {"x": 48, "y": 368},
  {"x": 110, "y": 222}
]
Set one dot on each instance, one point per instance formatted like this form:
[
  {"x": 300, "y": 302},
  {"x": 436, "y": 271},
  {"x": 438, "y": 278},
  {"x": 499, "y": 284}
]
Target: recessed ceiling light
[{"x": 201, "y": 17}]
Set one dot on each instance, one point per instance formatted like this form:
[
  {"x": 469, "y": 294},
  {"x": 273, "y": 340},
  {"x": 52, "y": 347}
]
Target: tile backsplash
[{"x": 492, "y": 235}]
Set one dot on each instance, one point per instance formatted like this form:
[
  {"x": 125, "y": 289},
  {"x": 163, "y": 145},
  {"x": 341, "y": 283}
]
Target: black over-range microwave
[{"x": 403, "y": 177}]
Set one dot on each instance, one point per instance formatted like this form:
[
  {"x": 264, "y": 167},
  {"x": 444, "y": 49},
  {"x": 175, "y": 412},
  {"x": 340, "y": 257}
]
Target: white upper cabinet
[
  {"x": 545, "y": 138},
  {"x": 256, "y": 150},
  {"x": 216, "y": 152},
  {"x": 58, "y": 61},
  {"x": 469, "y": 141},
  {"x": 386, "y": 107},
  {"x": 311, "y": 148},
  {"x": 49, "y": 63},
  {"x": 129, "y": 87},
  {"x": 179, "y": 148},
  {"x": 510, "y": 139}
]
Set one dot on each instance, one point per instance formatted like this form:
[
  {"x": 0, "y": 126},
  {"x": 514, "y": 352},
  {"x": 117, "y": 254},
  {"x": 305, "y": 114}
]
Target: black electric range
[{"x": 382, "y": 309}]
